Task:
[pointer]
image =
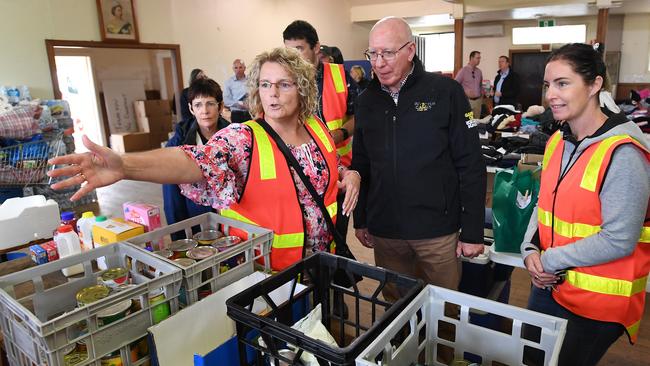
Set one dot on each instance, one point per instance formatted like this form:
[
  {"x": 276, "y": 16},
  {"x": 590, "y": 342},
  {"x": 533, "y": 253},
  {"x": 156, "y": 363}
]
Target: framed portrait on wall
[{"x": 117, "y": 20}]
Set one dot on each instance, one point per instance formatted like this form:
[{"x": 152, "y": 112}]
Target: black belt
[{"x": 475, "y": 98}]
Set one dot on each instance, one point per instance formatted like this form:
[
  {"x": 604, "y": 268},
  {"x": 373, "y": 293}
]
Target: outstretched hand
[{"x": 99, "y": 167}]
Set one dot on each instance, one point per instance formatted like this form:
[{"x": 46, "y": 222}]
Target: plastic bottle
[
  {"x": 101, "y": 261},
  {"x": 67, "y": 218},
  {"x": 67, "y": 243},
  {"x": 13, "y": 94},
  {"x": 25, "y": 94},
  {"x": 85, "y": 229}
]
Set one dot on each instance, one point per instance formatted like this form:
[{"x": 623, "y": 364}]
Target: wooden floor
[{"x": 621, "y": 353}]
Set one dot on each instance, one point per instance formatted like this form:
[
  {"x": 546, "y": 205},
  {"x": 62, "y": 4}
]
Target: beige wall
[
  {"x": 635, "y": 49},
  {"x": 211, "y": 33}
]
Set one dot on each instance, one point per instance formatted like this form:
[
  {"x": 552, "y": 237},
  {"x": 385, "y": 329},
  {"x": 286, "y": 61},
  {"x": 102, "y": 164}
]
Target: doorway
[
  {"x": 81, "y": 69},
  {"x": 529, "y": 65}
]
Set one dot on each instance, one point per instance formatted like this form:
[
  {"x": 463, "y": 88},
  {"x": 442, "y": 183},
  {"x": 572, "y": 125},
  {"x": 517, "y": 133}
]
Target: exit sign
[{"x": 547, "y": 23}]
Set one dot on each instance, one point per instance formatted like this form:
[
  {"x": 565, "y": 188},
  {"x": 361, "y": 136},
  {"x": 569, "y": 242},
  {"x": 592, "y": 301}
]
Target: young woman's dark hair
[
  {"x": 584, "y": 60},
  {"x": 300, "y": 29},
  {"x": 205, "y": 88}
]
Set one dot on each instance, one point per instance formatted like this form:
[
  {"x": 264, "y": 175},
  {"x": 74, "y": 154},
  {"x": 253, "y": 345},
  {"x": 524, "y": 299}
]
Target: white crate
[
  {"x": 206, "y": 272},
  {"x": 38, "y": 328},
  {"x": 424, "y": 314}
]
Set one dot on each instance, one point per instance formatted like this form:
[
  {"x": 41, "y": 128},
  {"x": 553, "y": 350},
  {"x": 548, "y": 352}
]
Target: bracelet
[{"x": 345, "y": 133}]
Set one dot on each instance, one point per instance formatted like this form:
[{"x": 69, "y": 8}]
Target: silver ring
[{"x": 83, "y": 177}]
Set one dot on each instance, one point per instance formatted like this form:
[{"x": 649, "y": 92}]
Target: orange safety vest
[
  {"x": 270, "y": 199},
  {"x": 613, "y": 291},
  {"x": 335, "y": 104}
]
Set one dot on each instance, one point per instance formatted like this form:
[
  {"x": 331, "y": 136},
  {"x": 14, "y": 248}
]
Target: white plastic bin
[
  {"x": 40, "y": 327},
  {"x": 412, "y": 336},
  {"x": 207, "y": 271}
]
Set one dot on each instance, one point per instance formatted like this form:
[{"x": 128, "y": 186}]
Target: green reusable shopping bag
[{"x": 514, "y": 198}]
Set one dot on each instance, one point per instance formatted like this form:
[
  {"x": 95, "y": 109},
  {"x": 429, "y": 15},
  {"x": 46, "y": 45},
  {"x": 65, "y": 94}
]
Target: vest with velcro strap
[
  {"x": 270, "y": 197},
  {"x": 571, "y": 210},
  {"x": 335, "y": 106}
]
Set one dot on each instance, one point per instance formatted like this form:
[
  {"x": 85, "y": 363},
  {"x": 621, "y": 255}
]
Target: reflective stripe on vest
[
  {"x": 550, "y": 148},
  {"x": 335, "y": 124},
  {"x": 605, "y": 285},
  {"x": 645, "y": 235},
  {"x": 332, "y": 208},
  {"x": 590, "y": 177},
  {"x": 566, "y": 229},
  {"x": 265, "y": 151},
  {"x": 294, "y": 240},
  {"x": 339, "y": 85},
  {"x": 320, "y": 132}
]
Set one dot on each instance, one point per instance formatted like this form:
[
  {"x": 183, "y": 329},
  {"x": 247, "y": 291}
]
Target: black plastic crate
[{"x": 367, "y": 316}]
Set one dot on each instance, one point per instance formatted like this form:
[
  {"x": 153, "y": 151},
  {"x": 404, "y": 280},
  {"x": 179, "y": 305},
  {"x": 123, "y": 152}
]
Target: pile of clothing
[{"x": 637, "y": 108}]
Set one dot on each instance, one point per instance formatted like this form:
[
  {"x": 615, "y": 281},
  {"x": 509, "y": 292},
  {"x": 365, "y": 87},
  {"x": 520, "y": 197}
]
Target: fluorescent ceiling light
[{"x": 544, "y": 35}]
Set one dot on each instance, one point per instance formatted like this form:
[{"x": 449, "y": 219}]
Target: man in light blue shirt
[{"x": 235, "y": 93}]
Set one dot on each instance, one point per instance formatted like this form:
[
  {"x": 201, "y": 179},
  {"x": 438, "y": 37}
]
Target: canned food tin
[
  {"x": 114, "y": 313},
  {"x": 159, "y": 307},
  {"x": 184, "y": 262},
  {"x": 199, "y": 253},
  {"x": 74, "y": 358},
  {"x": 226, "y": 242},
  {"x": 114, "y": 277},
  {"x": 88, "y": 295},
  {"x": 207, "y": 237},
  {"x": 165, "y": 253},
  {"x": 113, "y": 359},
  {"x": 179, "y": 247}
]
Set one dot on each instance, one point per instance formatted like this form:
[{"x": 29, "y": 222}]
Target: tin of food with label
[
  {"x": 207, "y": 237},
  {"x": 114, "y": 277},
  {"x": 114, "y": 313},
  {"x": 159, "y": 306},
  {"x": 180, "y": 247},
  {"x": 88, "y": 295},
  {"x": 202, "y": 252}
]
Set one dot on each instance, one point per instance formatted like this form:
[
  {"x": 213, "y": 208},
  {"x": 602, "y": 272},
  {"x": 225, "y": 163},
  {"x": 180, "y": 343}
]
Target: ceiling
[{"x": 499, "y": 10}]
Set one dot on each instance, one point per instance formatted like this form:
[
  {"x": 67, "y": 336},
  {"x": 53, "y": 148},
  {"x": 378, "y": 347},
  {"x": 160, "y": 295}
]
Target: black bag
[{"x": 341, "y": 277}]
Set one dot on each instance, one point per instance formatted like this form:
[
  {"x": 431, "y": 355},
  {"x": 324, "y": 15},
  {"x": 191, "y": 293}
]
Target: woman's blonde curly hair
[{"x": 301, "y": 71}]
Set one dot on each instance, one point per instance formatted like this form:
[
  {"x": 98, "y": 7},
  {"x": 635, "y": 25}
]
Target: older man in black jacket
[{"x": 422, "y": 199}]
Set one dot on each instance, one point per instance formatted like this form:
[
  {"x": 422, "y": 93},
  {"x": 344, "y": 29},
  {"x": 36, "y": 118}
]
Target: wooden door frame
[{"x": 50, "y": 44}]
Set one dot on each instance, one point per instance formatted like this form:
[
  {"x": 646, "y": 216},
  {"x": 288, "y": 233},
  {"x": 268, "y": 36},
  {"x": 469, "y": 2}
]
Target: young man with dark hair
[{"x": 337, "y": 94}]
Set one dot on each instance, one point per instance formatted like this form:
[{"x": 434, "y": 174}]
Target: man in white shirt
[{"x": 235, "y": 93}]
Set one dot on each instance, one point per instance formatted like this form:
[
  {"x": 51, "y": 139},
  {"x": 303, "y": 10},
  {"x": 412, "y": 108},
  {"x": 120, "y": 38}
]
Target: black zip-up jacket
[{"x": 422, "y": 172}]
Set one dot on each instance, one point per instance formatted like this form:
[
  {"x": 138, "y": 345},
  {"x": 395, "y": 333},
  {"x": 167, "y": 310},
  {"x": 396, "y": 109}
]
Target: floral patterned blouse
[{"x": 225, "y": 160}]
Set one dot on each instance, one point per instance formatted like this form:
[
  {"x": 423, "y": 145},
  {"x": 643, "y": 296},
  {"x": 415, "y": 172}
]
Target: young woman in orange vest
[
  {"x": 592, "y": 221},
  {"x": 242, "y": 169}
]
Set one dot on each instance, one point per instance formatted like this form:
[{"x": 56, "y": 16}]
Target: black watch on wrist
[{"x": 345, "y": 132}]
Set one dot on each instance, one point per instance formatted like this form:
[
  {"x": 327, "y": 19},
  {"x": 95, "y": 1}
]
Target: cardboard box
[
  {"x": 128, "y": 142},
  {"x": 118, "y": 99},
  {"x": 143, "y": 124},
  {"x": 142, "y": 213},
  {"x": 148, "y": 108},
  {"x": 114, "y": 230},
  {"x": 531, "y": 159},
  {"x": 160, "y": 124},
  {"x": 51, "y": 250}
]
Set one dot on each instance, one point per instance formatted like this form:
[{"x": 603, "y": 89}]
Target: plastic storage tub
[
  {"x": 274, "y": 325},
  {"x": 413, "y": 337},
  {"x": 206, "y": 273},
  {"x": 44, "y": 324}
]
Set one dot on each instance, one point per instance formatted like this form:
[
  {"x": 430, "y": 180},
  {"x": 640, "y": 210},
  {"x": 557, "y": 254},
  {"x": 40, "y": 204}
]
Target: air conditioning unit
[{"x": 491, "y": 30}]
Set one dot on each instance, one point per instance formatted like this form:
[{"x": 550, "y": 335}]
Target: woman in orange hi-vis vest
[
  {"x": 588, "y": 245},
  {"x": 242, "y": 169}
]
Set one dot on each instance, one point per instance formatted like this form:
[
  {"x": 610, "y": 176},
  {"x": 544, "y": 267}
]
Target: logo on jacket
[
  {"x": 470, "y": 121},
  {"x": 424, "y": 106}
]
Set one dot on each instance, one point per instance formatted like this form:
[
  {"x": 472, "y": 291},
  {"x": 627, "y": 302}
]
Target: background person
[
  {"x": 186, "y": 115},
  {"x": 235, "y": 93},
  {"x": 470, "y": 77},
  {"x": 593, "y": 217},
  {"x": 206, "y": 104},
  {"x": 359, "y": 75},
  {"x": 251, "y": 181},
  {"x": 506, "y": 84},
  {"x": 336, "y": 96}
]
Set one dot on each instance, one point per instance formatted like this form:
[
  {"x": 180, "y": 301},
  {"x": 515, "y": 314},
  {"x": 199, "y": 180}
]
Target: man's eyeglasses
[
  {"x": 209, "y": 105},
  {"x": 473, "y": 77},
  {"x": 283, "y": 85},
  {"x": 387, "y": 55}
]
